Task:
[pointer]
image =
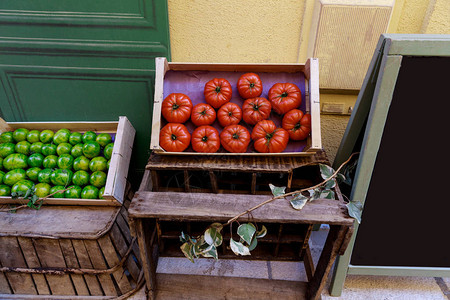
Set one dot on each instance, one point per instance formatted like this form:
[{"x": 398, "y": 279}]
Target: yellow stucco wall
[{"x": 277, "y": 31}]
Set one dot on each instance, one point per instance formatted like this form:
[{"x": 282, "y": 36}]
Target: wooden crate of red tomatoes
[{"x": 236, "y": 109}]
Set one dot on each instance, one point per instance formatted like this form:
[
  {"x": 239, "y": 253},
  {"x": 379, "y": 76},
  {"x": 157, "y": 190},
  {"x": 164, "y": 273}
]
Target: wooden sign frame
[{"x": 367, "y": 122}]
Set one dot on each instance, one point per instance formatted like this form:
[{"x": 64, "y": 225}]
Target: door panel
[{"x": 65, "y": 60}]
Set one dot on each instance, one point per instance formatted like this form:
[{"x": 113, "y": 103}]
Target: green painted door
[{"x": 84, "y": 60}]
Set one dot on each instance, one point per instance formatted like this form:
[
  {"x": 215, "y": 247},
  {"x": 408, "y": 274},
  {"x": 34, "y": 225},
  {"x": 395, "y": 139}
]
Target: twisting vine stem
[{"x": 292, "y": 193}]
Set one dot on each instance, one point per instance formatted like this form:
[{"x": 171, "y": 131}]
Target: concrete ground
[{"x": 356, "y": 287}]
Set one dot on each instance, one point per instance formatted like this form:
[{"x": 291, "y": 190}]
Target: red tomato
[
  {"x": 229, "y": 114},
  {"x": 203, "y": 114},
  {"x": 235, "y": 138},
  {"x": 174, "y": 137},
  {"x": 268, "y": 138},
  {"x": 205, "y": 139},
  {"x": 255, "y": 110},
  {"x": 249, "y": 85},
  {"x": 176, "y": 108},
  {"x": 284, "y": 97},
  {"x": 217, "y": 92},
  {"x": 297, "y": 124}
]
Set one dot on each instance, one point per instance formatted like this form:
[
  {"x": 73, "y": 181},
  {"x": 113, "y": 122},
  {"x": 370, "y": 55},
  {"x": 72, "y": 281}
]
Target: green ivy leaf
[
  {"x": 299, "y": 201},
  {"x": 330, "y": 184},
  {"x": 355, "y": 210},
  {"x": 327, "y": 194},
  {"x": 277, "y": 191},
  {"x": 253, "y": 244},
  {"x": 213, "y": 236},
  {"x": 239, "y": 248},
  {"x": 34, "y": 198},
  {"x": 210, "y": 251},
  {"x": 326, "y": 171},
  {"x": 262, "y": 233},
  {"x": 27, "y": 193},
  {"x": 340, "y": 177},
  {"x": 184, "y": 237},
  {"x": 246, "y": 232}
]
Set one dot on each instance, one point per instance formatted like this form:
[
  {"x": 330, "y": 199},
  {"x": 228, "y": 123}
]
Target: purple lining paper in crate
[{"x": 192, "y": 84}]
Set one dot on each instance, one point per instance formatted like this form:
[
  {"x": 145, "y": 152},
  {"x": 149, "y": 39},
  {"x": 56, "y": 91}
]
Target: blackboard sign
[
  {"x": 400, "y": 126},
  {"x": 407, "y": 208}
]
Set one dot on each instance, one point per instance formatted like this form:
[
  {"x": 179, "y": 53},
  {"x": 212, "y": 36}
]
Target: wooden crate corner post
[{"x": 120, "y": 161}]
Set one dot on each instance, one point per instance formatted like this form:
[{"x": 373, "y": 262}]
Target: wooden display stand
[{"x": 211, "y": 189}]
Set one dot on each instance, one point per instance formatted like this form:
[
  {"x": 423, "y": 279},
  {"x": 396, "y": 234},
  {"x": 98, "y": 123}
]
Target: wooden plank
[
  {"x": 4, "y": 126},
  {"x": 161, "y": 66},
  {"x": 122, "y": 245},
  {"x": 330, "y": 251},
  {"x": 308, "y": 263},
  {"x": 59, "y": 222},
  {"x": 241, "y": 163},
  {"x": 316, "y": 139},
  {"x": 241, "y": 67},
  {"x": 177, "y": 286},
  {"x": 120, "y": 161},
  {"x": 72, "y": 262},
  {"x": 205, "y": 207},
  {"x": 148, "y": 264},
  {"x": 253, "y": 186},
  {"x": 56, "y": 297},
  {"x": 96, "y": 258},
  {"x": 11, "y": 256},
  {"x": 146, "y": 182},
  {"x": 32, "y": 261},
  {"x": 111, "y": 258},
  {"x": 85, "y": 262},
  {"x": 4, "y": 285},
  {"x": 65, "y": 201},
  {"x": 99, "y": 127},
  {"x": 187, "y": 187},
  {"x": 213, "y": 179},
  {"x": 155, "y": 180},
  {"x": 50, "y": 256}
]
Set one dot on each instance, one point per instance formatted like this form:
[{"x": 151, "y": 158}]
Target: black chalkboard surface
[{"x": 406, "y": 218}]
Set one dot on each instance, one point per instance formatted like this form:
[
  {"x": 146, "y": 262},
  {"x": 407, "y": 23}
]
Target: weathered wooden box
[
  {"x": 123, "y": 133},
  {"x": 68, "y": 252},
  {"x": 190, "y": 79}
]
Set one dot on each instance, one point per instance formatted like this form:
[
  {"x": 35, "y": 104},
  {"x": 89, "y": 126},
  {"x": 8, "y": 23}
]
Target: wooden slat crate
[
  {"x": 176, "y": 181},
  {"x": 68, "y": 252},
  {"x": 231, "y": 174},
  {"x": 123, "y": 133},
  {"x": 190, "y": 79},
  {"x": 160, "y": 211}
]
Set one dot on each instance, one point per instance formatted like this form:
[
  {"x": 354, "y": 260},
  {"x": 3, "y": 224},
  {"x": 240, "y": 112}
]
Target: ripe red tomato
[
  {"x": 217, "y": 92},
  {"x": 297, "y": 124},
  {"x": 284, "y": 97},
  {"x": 176, "y": 108},
  {"x": 249, "y": 85},
  {"x": 268, "y": 138},
  {"x": 229, "y": 114},
  {"x": 255, "y": 110},
  {"x": 235, "y": 138},
  {"x": 205, "y": 139},
  {"x": 203, "y": 114},
  {"x": 174, "y": 137}
]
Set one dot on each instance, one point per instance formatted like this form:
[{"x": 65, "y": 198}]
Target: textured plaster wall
[
  {"x": 271, "y": 31},
  {"x": 235, "y": 31}
]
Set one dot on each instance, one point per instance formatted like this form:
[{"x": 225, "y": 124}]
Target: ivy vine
[{"x": 206, "y": 244}]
